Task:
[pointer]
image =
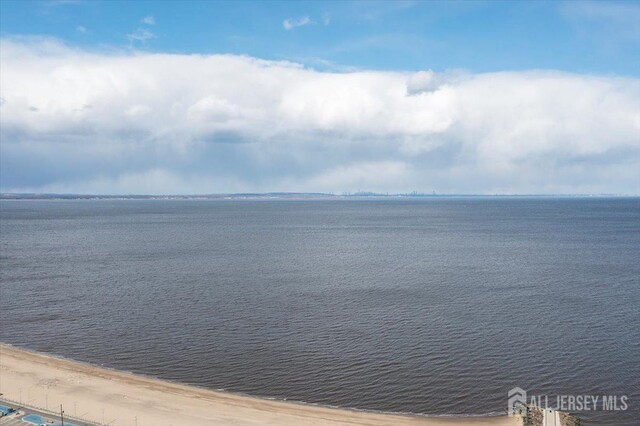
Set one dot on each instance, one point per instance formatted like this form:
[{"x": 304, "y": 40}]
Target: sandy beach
[{"x": 124, "y": 399}]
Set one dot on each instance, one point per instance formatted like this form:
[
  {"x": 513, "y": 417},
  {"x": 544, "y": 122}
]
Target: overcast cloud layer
[{"x": 83, "y": 122}]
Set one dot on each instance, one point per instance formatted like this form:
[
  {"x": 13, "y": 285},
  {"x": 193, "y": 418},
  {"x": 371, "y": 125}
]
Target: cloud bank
[{"x": 86, "y": 122}]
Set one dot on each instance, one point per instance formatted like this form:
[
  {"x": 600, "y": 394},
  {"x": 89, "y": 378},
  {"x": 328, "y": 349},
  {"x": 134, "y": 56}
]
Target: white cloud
[
  {"x": 167, "y": 123},
  {"x": 141, "y": 35},
  {"x": 137, "y": 110},
  {"x": 425, "y": 81},
  {"x": 81, "y": 29},
  {"x": 291, "y": 23},
  {"x": 149, "y": 20}
]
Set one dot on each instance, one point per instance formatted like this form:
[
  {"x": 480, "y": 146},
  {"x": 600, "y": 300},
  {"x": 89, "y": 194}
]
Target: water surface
[{"x": 435, "y": 306}]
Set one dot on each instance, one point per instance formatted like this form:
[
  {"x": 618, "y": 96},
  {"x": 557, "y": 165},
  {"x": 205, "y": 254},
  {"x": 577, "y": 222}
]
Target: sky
[{"x": 481, "y": 97}]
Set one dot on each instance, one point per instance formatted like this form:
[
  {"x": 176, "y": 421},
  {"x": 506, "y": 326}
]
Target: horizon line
[{"x": 358, "y": 194}]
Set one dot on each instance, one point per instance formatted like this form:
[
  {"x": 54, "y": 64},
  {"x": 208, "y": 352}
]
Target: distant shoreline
[
  {"x": 292, "y": 196},
  {"x": 90, "y": 391}
]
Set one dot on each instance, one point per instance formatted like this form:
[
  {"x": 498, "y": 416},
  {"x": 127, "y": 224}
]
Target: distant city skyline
[{"x": 166, "y": 97}]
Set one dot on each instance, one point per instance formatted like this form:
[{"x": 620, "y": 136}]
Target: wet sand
[{"x": 119, "y": 398}]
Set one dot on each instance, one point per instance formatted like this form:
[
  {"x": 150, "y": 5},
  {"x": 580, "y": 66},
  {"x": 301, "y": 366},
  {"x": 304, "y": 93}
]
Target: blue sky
[
  {"x": 480, "y": 36},
  {"x": 212, "y": 97}
]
